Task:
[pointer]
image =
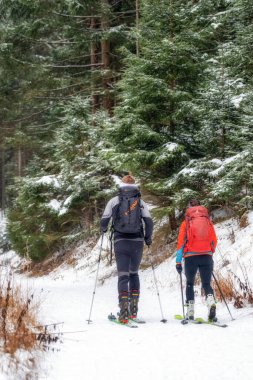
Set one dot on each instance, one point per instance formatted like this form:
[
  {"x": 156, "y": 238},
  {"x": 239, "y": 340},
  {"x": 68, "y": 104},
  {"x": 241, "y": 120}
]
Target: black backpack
[{"x": 127, "y": 215}]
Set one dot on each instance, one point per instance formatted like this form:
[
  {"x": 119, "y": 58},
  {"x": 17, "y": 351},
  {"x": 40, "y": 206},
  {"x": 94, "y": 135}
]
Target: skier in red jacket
[{"x": 196, "y": 244}]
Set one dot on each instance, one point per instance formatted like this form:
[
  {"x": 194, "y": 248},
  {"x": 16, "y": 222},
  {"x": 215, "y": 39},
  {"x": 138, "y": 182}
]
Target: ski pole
[
  {"x": 95, "y": 286},
  {"x": 221, "y": 255},
  {"x": 222, "y": 295},
  {"x": 182, "y": 294},
  {"x": 155, "y": 281}
]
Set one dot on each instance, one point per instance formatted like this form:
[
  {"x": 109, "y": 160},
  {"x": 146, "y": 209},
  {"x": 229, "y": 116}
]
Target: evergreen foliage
[
  {"x": 184, "y": 90},
  {"x": 86, "y": 93},
  {"x": 53, "y": 210}
]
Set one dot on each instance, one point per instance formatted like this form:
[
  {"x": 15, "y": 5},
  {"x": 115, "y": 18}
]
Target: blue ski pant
[
  {"x": 128, "y": 254},
  {"x": 203, "y": 263}
]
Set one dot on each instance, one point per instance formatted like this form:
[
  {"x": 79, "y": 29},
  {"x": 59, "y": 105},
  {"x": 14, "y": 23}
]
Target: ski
[
  {"x": 137, "y": 320},
  {"x": 199, "y": 321},
  {"x": 185, "y": 321},
  {"x": 114, "y": 319},
  {"x": 213, "y": 323}
]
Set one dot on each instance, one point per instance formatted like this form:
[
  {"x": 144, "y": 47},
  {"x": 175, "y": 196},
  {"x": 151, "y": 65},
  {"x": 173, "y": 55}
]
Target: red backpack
[{"x": 199, "y": 230}]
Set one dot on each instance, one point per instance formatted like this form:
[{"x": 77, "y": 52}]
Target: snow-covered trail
[
  {"x": 105, "y": 351},
  {"x": 154, "y": 351}
]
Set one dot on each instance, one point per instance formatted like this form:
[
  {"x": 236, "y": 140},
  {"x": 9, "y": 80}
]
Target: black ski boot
[
  {"x": 134, "y": 299},
  {"x": 123, "y": 304}
]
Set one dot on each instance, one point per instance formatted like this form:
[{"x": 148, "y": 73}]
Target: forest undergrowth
[{"x": 23, "y": 339}]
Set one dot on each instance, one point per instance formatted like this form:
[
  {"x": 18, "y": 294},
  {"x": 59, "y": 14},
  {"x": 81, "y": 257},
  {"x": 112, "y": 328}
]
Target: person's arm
[
  {"x": 149, "y": 225},
  {"x": 107, "y": 214},
  {"x": 181, "y": 242},
  {"x": 214, "y": 237}
]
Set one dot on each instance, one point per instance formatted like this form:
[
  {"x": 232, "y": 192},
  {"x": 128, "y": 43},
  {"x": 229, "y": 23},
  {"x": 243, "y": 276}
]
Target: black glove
[
  {"x": 148, "y": 241},
  {"x": 104, "y": 231},
  {"x": 179, "y": 268}
]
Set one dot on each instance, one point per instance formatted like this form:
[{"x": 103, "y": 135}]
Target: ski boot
[
  {"x": 123, "y": 305},
  {"x": 210, "y": 301},
  {"x": 190, "y": 310},
  {"x": 134, "y": 299}
]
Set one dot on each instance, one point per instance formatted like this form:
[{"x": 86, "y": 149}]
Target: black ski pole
[
  {"x": 163, "y": 320},
  {"x": 222, "y": 295},
  {"x": 182, "y": 294},
  {"x": 95, "y": 286}
]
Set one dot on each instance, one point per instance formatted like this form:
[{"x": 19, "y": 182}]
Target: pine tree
[
  {"x": 67, "y": 189},
  {"x": 158, "y": 107},
  {"x": 51, "y": 52}
]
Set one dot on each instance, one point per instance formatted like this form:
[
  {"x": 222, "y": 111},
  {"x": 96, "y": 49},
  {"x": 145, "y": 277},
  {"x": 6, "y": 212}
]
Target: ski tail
[{"x": 199, "y": 321}]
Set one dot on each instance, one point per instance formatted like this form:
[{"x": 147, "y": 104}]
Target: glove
[
  {"x": 148, "y": 242},
  {"x": 104, "y": 230},
  {"x": 179, "y": 268}
]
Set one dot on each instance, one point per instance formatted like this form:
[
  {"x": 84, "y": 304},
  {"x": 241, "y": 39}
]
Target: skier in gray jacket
[{"x": 128, "y": 212}]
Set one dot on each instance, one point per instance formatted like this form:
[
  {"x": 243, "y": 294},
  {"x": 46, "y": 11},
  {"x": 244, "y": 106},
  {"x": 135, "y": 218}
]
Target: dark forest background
[{"x": 93, "y": 89}]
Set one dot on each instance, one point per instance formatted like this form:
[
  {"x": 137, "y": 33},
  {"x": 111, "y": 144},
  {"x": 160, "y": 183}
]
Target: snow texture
[
  {"x": 224, "y": 163},
  {"x": 236, "y": 100},
  {"x": 170, "y": 147},
  {"x": 49, "y": 180}
]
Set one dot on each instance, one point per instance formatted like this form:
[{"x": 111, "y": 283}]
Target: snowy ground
[{"x": 106, "y": 351}]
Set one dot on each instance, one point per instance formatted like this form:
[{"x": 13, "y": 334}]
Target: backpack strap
[
  {"x": 186, "y": 230},
  {"x": 114, "y": 214},
  {"x": 110, "y": 238}
]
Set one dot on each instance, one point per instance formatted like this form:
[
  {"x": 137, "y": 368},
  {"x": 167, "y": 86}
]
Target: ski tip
[
  {"x": 137, "y": 320},
  {"x": 219, "y": 324}
]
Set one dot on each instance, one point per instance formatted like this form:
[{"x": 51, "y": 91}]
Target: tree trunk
[
  {"x": 19, "y": 162},
  {"x": 105, "y": 51},
  {"x": 2, "y": 180},
  {"x": 172, "y": 126},
  {"x": 137, "y": 7},
  {"x": 93, "y": 61},
  {"x": 223, "y": 127},
  {"x": 173, "y": 221}
]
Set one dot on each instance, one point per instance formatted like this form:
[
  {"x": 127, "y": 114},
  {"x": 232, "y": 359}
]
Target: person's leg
[
  {"x": 191, "y": 267},
  {"x": 123, "y": 263},
  {"x": 136, "y": 249},
  {"x": 134, "y": 284},
  {"x": 205, "y": 270}
]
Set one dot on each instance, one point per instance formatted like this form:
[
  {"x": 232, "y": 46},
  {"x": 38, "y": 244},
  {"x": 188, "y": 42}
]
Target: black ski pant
[
  {"x": 128, "y": 255},
  {"x": 203, "y": 263}
]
